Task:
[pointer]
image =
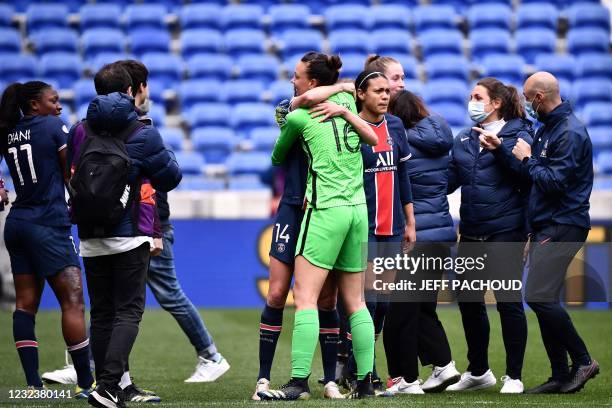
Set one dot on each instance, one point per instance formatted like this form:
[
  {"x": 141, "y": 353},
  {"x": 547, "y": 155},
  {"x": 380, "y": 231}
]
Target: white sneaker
[
  {"x": 331, "y": 391},
  {"x": 470, "y": 382},
  {"x": 441, "y": 377},
  {"x": 511, "y": 386},
  {"x": 208, "y": 370},
  {"x": 66, "y": 375},
  {"x": 400, "y": 386},
  {"x": 263, "y": 384}
]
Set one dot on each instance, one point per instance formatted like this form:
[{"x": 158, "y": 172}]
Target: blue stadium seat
[
  {"x": 200, "y": 41},
  {"x": 349, "y": 41},
  {"x": 485, "y": 15},
  {"x": 352, "y": 65},
  {"x": 288, "y": 17},
  {"x": 81, "y": 112},
  {"x": 65, "y": 68},
  {"x": 234, "y": 92},
  {"x": 434, "y": 17},
  {"x": 172, "y": 137},
  {"x": 279, "y": 90},
  {"x": 148, "y": 40},
  {"x": 156, "y": 91},
  {"x": 537, "y": 15},
  {"x": 42, "y": 16},
  {"x": 561, "y": 66},
  {"x": 489, "y": 42},
  {"x": 6, "y": 15},
  {"x": 106, "y": 58},
  {"x": 157, "y": 113},
  {"x": 193, "y": 91},
  {"x": 102, "y": 40},
  {"x": 595, "y": 66},
  {"x": 604, "y": 162},
  {"x": 166, "y": 68},
  {"x": 247, "y": 182},
  {"x": 215, "y": 143},
  {"x": 601, "y": 138},
  {"x": 390, "y": 16},
  {"x": 10, "y": 40},
  {"x": 17, "y": 66},
  {"x": 263, "y": 67},
  {"x": 246, "y": 116},
  {"x": 263, "y": 138},
  {"x": 408, "y": 63},
  {"x": 84, "y": 91},
  {"x": 210, "y": 66},
  {"x": 209, "y": 114},
  {"x": 100, "y": 16},
  {"x": 408, "y": 3},
  {"x": 446, "y": 90},
  {"x": 198, "y": 183},
  {"x": 507, "y": 68},
  {"x": 588, "y": 15},
  {"x": 244, "y": 41},
  {"x": 447, "y": 67},
  {"x": 191, "y": 163},
  {"x": 145, "y": 16},
  {"x": 200, "y": 16},
  {"x": 565, "y": 89},
  {"x": 454, "y": 113},
  {"x": 598, "y": 114},
  {"x": 531, "y": 42},
  {"x": 591, "y": 90},
  {"x": 54, "y": 40},
  {"x": 237, "y": 16},
  {"x": 388, "y": 41},
  {"x": 248, "y": 163},
  {"x": 441, "y": 42},
  {"x": 588, "y": 40},
  {"x": 347, "y": 16},
  {"x": 298, "y": 42}
]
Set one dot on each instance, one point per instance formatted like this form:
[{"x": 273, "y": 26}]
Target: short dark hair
[
  {"x": 112, "y": 78},
  {"x": 322, "y": 67},
  {"x": 409, "y": 107},
  {"x": 138, "y": 72}
]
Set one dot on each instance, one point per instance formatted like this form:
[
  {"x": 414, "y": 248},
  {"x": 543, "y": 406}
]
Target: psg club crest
[{"x": 280, "y": 247}]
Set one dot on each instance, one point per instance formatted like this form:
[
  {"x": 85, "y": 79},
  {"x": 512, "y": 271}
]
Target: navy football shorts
[
  {"x": 39, "y": 249},
  {"x": 285, "y": 232}
]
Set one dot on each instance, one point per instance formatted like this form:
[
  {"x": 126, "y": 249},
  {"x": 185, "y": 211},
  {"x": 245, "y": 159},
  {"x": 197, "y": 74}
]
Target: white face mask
[{"x": 477, "y": 112}]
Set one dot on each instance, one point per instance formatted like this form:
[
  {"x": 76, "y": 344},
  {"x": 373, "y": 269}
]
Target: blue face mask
[
  {"x": 477, "y": 112},
  {"x": 530, "y": 110}
]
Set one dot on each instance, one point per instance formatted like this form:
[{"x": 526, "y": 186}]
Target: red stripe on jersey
[
  {"x": 383, "y": 182},
  {"x": 267, "y": 327},
  {"x": 329, "y": 331},
  {"x": 26, "y": 343}
]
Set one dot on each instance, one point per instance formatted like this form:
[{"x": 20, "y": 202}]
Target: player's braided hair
[
  {"x": 15, "y": 102},
  {"x": 322, "y": 67},
  {"x": 511, "y": 104}
]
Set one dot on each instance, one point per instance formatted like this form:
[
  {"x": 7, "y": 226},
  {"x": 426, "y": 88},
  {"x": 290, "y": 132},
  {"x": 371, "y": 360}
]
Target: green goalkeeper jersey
[{"x": 335, "y": 166}]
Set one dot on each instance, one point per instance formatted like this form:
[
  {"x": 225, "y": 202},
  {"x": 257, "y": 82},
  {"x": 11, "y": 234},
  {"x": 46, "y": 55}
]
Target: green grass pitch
[{"x": 162, "y": 358}]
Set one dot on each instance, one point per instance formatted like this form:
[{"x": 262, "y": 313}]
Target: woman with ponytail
[
  {"x": 493, "y": 206},
  {"x": 37, "y": 229}
]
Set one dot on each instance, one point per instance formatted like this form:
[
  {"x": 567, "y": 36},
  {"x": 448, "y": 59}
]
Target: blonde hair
[{"x": 375, "y": 62}]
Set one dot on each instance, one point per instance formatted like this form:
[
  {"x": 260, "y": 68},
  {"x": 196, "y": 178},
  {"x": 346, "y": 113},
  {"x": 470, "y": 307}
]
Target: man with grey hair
[{"x": 560, "y": 168}]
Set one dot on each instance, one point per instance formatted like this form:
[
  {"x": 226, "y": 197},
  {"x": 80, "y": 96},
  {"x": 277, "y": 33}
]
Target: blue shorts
[
  {"x": 384, "y": 246},
  {"x": 285, "y": 232},
  {"x": 37, "y": 249}
]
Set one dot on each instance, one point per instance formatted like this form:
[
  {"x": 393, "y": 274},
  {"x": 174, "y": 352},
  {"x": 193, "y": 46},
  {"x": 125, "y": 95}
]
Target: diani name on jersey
[{"x": 19, "y": 136}]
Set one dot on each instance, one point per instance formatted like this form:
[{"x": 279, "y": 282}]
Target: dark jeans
[
  {"x": 552, "y": 250},
  {"x": 509, "y": 260},
  {"x": 413, "y": 330},
  {"x": 116, "y": 286}
]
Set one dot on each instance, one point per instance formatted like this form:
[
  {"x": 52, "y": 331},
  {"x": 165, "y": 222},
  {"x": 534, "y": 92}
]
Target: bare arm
[
  {"x": 320, "y": 94},
  {"x": 330, "y": 110}
]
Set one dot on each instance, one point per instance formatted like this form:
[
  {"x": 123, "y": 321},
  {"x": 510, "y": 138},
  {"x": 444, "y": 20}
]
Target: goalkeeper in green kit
[{"x": 334, "y": 230}]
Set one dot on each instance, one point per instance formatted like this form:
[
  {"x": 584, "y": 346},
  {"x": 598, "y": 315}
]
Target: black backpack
[{"x": 99, "y": 188}]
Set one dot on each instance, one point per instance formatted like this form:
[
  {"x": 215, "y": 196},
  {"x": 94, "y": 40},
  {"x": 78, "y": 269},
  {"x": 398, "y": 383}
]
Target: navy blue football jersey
[
  {"x": 296, "y": 172},
  {"x": 31, "y": 153}
]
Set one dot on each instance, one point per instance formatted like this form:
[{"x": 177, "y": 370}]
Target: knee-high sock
[
  {"x": 304, "y": 342},
  {"x": 269, "y": 331},
  {"x": 328, "y": 339},
  {"x": 362, "y": 331},
  {"x": 80, "y": 357},
  {"x": 27, "y": 346}
]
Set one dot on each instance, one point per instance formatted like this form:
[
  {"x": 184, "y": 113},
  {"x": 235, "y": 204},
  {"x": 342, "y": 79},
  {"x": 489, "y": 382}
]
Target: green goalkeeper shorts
[{"x": 335, "y": 238}]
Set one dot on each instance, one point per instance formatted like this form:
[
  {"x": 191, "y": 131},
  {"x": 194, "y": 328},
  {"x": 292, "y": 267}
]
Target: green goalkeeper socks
[
  {"x": 304, "y": 341},
  {"x": 362, "y": 330}
]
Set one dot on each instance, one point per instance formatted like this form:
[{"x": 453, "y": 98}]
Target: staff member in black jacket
[
  {"x": 560, "y": 166},
  {"x": 493, "y": 202}
]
